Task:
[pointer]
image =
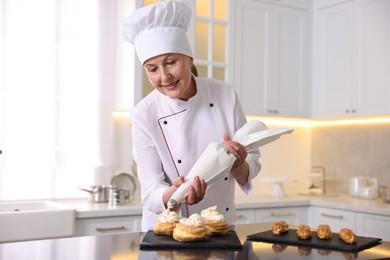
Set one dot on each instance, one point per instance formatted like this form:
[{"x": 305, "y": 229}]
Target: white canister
[{"x": 355, "y": 183}]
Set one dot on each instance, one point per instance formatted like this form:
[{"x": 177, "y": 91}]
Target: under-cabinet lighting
[
  {"x": 295, "y": 122},
  {"x": 302, "y": 122}
]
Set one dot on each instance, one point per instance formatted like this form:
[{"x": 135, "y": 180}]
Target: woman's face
[{"x": 171, "y": 75}]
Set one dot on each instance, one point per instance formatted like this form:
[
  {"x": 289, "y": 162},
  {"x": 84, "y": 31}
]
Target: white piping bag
[{"x": 215, "y": 162}]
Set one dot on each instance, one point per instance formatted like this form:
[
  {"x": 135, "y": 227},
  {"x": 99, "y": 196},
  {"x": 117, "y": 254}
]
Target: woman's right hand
[{"x": 196, "y": 191}]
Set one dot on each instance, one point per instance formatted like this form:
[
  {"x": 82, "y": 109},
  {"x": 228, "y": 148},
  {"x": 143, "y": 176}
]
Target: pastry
[
  {"x": 348, "y": 236},
  {"x": 166, "y": 222},
  {"x": 278, "y": 248},
  {"x": 304, "y": 232},
  {"x": 304, "y": 251},
  {"x": 279, "y": 227},
  {"x": 324, "y": 232},
  {"x": 214, "y": 221},
  {"x": 190, "y": 229}
]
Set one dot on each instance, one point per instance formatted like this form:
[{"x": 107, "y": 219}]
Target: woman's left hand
[
  {"x": 240, "y": 169},
  {"x": 236, "y": 149}
]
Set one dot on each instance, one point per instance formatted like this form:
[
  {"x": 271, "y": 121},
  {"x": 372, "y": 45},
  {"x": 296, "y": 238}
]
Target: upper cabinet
[
  {"x": 351, "y": 56},
  {"x": 271, "y": 57}
]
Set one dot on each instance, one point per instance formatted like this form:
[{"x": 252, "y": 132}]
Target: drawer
[
  {"x": 291, "y": 215},
  {"x": 335, "y": 218},
  {"x": 107, "y": 225}
]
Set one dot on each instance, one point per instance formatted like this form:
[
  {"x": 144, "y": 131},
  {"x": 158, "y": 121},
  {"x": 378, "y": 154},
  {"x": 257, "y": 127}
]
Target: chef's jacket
[{"x": 169, "y": 135}]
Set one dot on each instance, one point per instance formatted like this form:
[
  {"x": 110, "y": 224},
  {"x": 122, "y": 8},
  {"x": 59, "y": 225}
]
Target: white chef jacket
[{"x": 169, "y": 135}]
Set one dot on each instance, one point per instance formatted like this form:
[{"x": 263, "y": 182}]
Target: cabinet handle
[
  {"x": 282, "y": 214},
  {"x": 99, "y": 229},
  {"x": 271, "y": 111},
  {"x": 332, "y": 216},
  {"x": 240, "y": 216}
]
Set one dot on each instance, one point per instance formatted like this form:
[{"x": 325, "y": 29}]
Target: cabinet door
[
  {"x": 252, "y": 55},
  {"x": 335, "y": 218},
  {"x": 352, "y": 59},
  {"x": 291, "y": 215},
  {"x": 271, "y": 59},
  {"x": 302, "y": 4},
  {"x": 288, "y": 93},
  {"x": 372, "y": 66},
  {"x": 370, "y": 225},
  {"x": 245, "y": 216},
  {"x": 333, "y": 61},
  {"x": 107, "y": 225}
]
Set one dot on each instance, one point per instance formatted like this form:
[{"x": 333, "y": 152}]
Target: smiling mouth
[{"x": 170, "y": 85}]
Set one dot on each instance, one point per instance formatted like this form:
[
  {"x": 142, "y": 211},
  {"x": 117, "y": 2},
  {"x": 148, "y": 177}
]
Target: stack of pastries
[
  {"x": 214, "y": 221},
  {"x": 196, "y": 227}
]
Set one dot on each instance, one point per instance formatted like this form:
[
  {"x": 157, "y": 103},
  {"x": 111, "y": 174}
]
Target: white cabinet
[
  {"x": 370, "y": 225},
  {"x": 271, "y": 59},
  {"x": 245, "y": 216},
  {"x": 302, "y": 4},
  {"x": 107, "y": 225},
  {"x": 292, "y": 215},
  {"x": 335, "y": 218},
  {"x": 351, "y": 56}
]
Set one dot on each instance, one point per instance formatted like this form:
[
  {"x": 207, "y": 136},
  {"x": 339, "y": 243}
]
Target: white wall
[{"x": 286, "y": 158}]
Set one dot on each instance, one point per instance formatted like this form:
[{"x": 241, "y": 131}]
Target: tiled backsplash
[{"x": 352, "y": 150}]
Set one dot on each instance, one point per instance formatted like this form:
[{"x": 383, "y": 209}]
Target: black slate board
[
  {"x": 335, "y": 243},
  {"x": 230, "y": 241}
]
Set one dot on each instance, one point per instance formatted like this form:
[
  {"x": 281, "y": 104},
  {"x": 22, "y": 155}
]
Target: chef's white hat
[{"x": 159, "y": 29}]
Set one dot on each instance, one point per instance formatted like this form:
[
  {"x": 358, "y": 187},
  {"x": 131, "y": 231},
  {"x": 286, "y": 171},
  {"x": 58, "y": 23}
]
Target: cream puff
[
  {"x": 214, "y": 221},
  {"x": 279, "y": 227},
  {"x": 304, "y": 232},
  {"x": 190, "y": 229},
  {"x": 348, "y": 236},
  {"x": 166, "y": 222},
  {"x": 324, "y": 232}
]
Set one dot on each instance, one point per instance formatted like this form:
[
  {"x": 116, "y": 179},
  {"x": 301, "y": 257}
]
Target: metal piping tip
[{"x": 172, "y": 203}]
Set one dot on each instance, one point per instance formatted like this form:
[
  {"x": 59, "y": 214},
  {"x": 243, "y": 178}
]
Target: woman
[{"x": 174, "y": 124}]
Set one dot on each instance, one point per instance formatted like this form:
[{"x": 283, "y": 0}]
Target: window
[
  {"x": 56, "y": 96},
  {"x": 211, "y": 29}
]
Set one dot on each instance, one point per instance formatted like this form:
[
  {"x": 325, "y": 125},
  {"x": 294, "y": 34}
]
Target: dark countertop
[{"x": 126, "y": 246}]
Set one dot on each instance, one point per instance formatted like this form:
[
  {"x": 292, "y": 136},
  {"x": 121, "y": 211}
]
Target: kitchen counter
[
  {"x": 126, "y": 246},
  {"x": 85, "y": 209},
  {"x": 342, "y": 201}
]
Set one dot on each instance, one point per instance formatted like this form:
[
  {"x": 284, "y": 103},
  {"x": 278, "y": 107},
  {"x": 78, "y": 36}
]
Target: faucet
[{"x": 321, "y": 169}]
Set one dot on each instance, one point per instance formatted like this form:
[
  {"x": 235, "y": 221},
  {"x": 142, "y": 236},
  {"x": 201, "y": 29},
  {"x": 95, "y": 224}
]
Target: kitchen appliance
[
  {"x": 384, "y": 192},
  {"x": 369, "y": 192},
  {"x": 355, "y": 183},
  {"x": 363, "y": 187}
]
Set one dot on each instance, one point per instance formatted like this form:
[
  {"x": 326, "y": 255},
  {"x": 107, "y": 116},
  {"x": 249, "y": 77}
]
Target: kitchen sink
[{"x": 31, "y": 220}]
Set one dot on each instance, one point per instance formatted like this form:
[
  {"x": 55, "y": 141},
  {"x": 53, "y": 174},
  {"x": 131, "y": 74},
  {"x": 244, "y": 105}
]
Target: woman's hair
[{"x": 194, "y": 71}]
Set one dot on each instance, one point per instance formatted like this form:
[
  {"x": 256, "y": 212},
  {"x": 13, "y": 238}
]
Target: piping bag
[{"x": 215, "y": 162}]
